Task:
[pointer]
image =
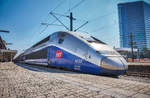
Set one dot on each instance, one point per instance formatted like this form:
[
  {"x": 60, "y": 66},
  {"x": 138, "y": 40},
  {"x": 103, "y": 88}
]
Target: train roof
[
  {"x": 85, "y": 36},
  {"x": 81, "y": 36}
]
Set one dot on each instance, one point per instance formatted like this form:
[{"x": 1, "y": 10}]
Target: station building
[{"x": 6, "y": 55}]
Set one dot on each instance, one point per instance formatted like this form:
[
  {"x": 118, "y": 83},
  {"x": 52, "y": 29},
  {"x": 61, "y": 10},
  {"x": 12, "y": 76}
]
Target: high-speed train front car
[{"x": 76, "y": 51}]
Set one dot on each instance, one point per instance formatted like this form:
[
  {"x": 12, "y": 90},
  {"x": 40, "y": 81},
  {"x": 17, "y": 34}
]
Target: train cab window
[
  {"x": 90, "y": 38},
  {"x": 97, "y": 40}
]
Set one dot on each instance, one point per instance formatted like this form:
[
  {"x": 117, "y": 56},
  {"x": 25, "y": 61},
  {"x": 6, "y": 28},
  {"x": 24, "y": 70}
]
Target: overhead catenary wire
[
  {"x": 50, "y": 24},
  {"x": 45, "y": 27},
  {"x": 70, "y": 16},
  {"x": 83, "y": 31},
  {"x": 43, "y": 30},
  {"x": 79, "y": 3},
  {"x": 101, "y": 16},
  {"x": 62, "y": 15},
  {"x": 57, "y": 6},
  {"x": 71, "y": 8},
  {"x": 81, "y": 26},
  {"x": 75, "y": 6},
  {"x": 102, "y": 27},
  {"x": 59, "y": 21},
  {"x": 58, "y": 18}
]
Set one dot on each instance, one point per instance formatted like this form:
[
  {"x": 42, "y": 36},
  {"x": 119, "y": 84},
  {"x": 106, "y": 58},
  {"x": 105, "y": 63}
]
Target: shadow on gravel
[
  {"x": 53, "y": 69},
  {"x": 49, "y": 69}
]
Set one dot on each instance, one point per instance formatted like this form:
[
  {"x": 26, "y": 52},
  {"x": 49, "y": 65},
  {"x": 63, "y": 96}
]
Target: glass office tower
[{"x": 134, "y": 17}]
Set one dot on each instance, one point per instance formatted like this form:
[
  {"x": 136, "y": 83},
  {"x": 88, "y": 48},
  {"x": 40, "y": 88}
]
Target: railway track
[{"x": 139, "y": 74}]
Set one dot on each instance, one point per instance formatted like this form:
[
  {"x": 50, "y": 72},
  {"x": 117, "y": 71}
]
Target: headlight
[{"x": 112, "y": 63}]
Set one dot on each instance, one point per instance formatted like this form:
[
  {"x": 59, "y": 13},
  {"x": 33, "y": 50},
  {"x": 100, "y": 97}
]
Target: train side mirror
[
  {"x": 60, "y": 41},
  {"x": 89, "y": 56}
]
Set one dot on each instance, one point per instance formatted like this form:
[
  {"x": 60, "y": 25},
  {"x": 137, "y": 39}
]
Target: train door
[
  {"x": 52, "y": 50},
  {"x": 51, "y": 55},
  {"x": 48, "y": 56}
]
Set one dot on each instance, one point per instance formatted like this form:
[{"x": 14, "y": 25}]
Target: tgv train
[{"x": 76, "y": 51}]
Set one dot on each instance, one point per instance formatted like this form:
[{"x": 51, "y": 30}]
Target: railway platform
[
  {"x": 139, "y": 67},
  {"x": 27, "y": 81}
]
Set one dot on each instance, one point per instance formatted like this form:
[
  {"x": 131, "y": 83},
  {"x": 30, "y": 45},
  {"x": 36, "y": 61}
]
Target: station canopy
[{"x": 125, "y": 50}]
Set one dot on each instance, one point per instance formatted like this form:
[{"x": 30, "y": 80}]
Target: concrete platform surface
[{"x": 25, "y": 81}]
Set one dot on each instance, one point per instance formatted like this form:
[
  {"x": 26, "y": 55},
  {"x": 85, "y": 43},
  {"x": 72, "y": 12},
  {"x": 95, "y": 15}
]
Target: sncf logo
[{"x": 58, "y": 54}]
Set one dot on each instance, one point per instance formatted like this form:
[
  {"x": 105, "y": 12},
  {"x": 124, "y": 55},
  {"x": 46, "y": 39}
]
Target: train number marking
[{"x": 78, "y": 61}]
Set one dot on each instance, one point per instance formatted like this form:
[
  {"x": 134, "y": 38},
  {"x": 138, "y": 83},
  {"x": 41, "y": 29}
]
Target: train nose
[{"x": 115, "y": 64}]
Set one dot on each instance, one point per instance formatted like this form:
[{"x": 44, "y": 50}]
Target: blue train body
[{"x": 70, "y": 51}]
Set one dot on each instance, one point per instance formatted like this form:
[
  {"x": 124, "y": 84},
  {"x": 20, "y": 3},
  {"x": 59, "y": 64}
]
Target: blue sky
[{"x": 23, "y": 18}]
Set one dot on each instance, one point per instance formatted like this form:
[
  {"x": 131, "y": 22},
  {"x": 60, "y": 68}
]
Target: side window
[{"x": 41, "y": 54}]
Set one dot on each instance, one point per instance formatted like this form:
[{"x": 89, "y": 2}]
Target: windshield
[
  {"x": 91, "y": 39},
  {"x": 96, "y": 40}
]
